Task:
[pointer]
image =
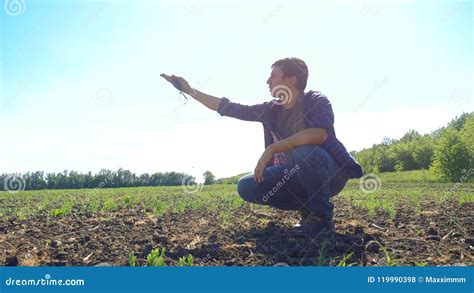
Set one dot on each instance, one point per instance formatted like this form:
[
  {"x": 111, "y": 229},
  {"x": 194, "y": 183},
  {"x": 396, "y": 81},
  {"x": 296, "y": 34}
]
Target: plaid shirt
[
  {"x": 278, "y": 158},
  {"x": 318, "y": 114}
]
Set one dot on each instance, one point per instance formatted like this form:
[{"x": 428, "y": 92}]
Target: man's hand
[
  {"x": 180, "y": 83},
  {"x": 207, "y": 100},
  {"x": 262, "y": 163}
]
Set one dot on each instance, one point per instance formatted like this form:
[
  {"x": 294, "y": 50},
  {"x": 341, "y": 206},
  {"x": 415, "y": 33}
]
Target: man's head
[{"x": 290, "y": 72}]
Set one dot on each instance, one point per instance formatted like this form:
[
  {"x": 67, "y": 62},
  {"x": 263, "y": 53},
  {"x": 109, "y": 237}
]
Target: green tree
[
  {"x": 467, "y": 135},
  {"x": 384, "y": 159},
  {"x": 209, "y": 178},
  {"x": 423, "y": 152},
  {"x": 458, "y": 122},
  {"x": 410, "y": 136},
  {"x": 404, "y": 157},
  {"x": 452, "y": 157}
]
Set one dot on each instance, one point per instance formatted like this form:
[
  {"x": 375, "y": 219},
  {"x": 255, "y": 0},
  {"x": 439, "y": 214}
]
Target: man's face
[{"x": 276, "y": 78}]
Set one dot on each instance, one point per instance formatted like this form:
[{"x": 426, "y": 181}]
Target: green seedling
[
  {"x": 345, "y": 258},
  {"x": 391, "y": 261},
  {"x": 156, "y": 258},
  {"x": 132, "y": 259},
  {"x": 126, "y": 200},
  {"x": 322, "y": 253},
  {"x": 186, "y": 261},
  {"x": 59, "y": 212}
]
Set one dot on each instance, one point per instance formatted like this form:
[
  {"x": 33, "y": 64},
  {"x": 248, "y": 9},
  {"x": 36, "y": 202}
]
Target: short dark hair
[{"x": 296, "y": 67}]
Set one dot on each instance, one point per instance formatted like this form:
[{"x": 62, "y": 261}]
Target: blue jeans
[{"x": 307, "y": 183}]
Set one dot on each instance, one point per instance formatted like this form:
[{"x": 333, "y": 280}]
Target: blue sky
[{"x": 80, "y": 86}]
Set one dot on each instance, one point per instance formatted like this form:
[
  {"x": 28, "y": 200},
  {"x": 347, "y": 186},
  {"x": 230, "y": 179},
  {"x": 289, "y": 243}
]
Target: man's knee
[
  {"x": 305, "y": 153},
  {"x": 246, "y": 187}
]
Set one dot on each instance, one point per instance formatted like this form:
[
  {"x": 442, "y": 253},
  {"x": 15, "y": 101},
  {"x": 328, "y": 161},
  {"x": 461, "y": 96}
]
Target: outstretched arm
[{"x": 223, "y": 106}]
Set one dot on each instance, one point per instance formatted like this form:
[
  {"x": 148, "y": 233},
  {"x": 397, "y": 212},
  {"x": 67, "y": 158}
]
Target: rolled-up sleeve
[{"x": 243, "y": 112}]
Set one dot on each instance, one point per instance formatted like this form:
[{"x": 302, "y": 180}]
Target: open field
[{"x": 400, "y": 224}]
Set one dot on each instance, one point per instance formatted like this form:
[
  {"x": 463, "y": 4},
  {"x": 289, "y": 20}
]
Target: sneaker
[{"x": 313, "y": 226}]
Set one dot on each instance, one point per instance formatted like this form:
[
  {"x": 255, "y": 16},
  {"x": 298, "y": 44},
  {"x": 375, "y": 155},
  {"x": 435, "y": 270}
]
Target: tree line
[
  {"x": 104, "y": 179},
  {"x": 449, "y": 151}
]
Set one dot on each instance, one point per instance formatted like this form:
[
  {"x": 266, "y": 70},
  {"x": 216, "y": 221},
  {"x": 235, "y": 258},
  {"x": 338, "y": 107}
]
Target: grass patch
[{"x": 221, "y": 199}]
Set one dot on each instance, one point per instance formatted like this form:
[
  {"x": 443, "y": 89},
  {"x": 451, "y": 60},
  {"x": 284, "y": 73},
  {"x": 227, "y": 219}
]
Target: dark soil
[{"x": 440, "y": 234}]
